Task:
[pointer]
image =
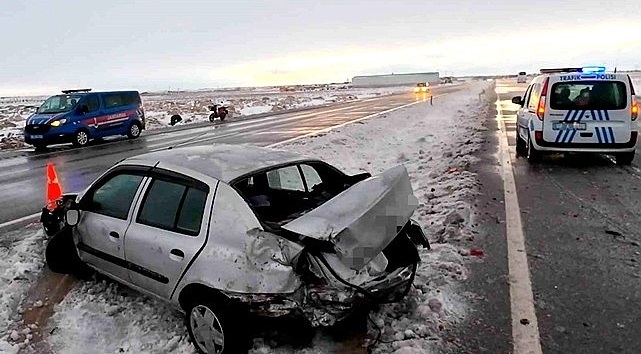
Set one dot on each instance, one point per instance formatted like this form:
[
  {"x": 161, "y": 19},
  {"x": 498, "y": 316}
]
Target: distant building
[{"x": 395, "y": 79}]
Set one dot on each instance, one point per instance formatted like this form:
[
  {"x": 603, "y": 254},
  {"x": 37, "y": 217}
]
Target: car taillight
[
  {"x": 635, "y": 109},
  {"x": 540, "y": 111}
]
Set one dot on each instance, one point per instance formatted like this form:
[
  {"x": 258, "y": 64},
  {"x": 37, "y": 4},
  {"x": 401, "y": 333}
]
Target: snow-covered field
[
  {"x": 435, "y": 143},
  {"x": 192, "y": 106}
]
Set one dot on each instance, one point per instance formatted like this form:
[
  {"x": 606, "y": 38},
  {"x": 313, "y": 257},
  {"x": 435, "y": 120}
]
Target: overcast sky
[{"x": 156, "y": 45}]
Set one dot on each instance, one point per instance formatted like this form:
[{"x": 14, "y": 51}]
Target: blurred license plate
[
  {"x": 36, "y": 137},
  {"x": 568, "y": 126}
]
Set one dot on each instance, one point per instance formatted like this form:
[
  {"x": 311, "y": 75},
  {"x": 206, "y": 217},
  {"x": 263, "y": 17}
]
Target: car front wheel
[
  {"x": 81, "y": 138},
  {"x": 214, "y": 329},
  {"x": 134, "y": 130}
]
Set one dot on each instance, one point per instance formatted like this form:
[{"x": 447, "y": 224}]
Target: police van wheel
[
  {"x": 521, "y": 146},
  {"x": 624, "y": 158},
  {"x": 81, "y": 138},
  {"x": 40, "y": 147},
  {"x": 134, "y": 130},
  {"x": 533, "y": 155}
]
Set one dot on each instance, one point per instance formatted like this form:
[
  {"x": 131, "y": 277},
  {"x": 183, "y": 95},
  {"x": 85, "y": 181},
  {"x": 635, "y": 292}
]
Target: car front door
[
  {"x": 169, "y": 229},
  {"x": 522, "y": 118},
  {"x": 105, "y": 216}
]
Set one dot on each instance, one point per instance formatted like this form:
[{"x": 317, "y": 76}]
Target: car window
[
  {"x": 114, "y": 197},
  {"x": 173, "y": 206},
  {"x": 535, "y": 94},
  {"x": 312, "y": 178},
  {"x": 287, "y": 178},
  {"x": 191, "y": 213},
  {"x": 596, "y": 95},
  {"x": 526, "y": 98}
]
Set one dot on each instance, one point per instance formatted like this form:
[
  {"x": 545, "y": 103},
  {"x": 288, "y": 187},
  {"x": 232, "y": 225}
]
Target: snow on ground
[
  {"x": 21, "y": 259},
  {"x": 192, "y": 106},
  {"x": 435, "y": 143}
]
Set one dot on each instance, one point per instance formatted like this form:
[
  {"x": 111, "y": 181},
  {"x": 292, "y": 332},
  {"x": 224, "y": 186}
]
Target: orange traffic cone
[{"x": 54, "y": 190}]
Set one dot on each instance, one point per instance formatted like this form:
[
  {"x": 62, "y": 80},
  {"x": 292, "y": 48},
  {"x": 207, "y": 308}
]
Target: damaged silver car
[{"x": 232, "y": 230}]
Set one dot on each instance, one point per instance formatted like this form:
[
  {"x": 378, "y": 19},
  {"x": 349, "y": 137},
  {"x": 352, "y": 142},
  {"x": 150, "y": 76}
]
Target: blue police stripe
[
  {"x": 598, "y": 135},
  {"x": 607, "y": 116},
  {"x": 604, "y": 133},
  {"x": 612, "y": 134},
  {"x": 592, "y": 114},
  {"x": 565, "y": 135},
  {"x": 567, "y": 116},
  {"x": 572, "y": 136},
  {"x": 599, "y": 113},
  {"x": 558, "y": 136}
]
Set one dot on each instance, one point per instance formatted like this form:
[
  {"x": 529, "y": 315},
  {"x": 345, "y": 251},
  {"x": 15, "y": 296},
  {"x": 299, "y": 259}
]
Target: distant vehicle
[
  {"x": 522, "y": 78},
  {"x": 446, "y": 80},
  {"x": 77, "y": 116},
  {"x": 218, "y": 111},
  {"x": 224, "y": 231},
  {"x": 422, "y": 87},
  {"x": 578, "y": 110}
]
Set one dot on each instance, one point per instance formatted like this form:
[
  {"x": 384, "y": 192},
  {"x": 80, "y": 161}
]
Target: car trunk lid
[{"x": 362, "y": 220}]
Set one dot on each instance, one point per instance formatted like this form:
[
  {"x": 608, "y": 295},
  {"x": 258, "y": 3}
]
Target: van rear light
[
  {"x": 540, "y": 111},
  {"x": 635, "y": 109}
]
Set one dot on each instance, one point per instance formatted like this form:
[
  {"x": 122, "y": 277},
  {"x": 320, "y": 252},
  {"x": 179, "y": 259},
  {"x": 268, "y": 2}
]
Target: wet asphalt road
[
  {"x": 22, "y": 173},
  {"x": 582, "y": 223}
]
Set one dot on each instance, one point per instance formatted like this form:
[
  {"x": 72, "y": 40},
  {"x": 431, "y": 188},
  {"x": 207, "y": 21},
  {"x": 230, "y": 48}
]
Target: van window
[
  {"x": 92, "y": 103},
  {"x": 59, "y": 103},
  {"x": 535, "y": 94},
  {"x": 588, "y": 95},
  {"x": 121, "y": 99}
]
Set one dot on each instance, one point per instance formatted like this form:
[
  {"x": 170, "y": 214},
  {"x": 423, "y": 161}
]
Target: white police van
[{"x": 578, "y": 110}]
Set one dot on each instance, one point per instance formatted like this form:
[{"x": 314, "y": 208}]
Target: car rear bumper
[{"x": 630, "y": 145}]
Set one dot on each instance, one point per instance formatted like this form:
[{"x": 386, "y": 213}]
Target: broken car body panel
[{"x": 362, "y": 220}]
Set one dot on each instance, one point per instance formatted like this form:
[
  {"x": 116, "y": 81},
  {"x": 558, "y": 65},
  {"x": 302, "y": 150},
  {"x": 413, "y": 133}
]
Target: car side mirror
[
  {"x": 83, "y": 109},
  {"x": 72, "y": 216},
  {"x": 517, "y": 100}
]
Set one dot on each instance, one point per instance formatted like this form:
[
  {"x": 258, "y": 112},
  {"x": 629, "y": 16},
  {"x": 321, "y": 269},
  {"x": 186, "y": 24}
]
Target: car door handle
[
  {"x": 114, "y": 234},
  {"x": 176, "y": 255}
]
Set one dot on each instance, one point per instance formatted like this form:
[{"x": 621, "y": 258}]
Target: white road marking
[
  {"x": 525, "y": 337},
  {"x": 24, "y": 219}
]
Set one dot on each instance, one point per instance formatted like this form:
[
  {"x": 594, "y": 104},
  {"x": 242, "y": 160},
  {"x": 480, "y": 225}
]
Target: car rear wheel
[
  {"x": 624, "y": 158},
  {"x": 214, "y": 328},
  {"x": 81, "y": 138},
  {"x": 134, "y": 130}
]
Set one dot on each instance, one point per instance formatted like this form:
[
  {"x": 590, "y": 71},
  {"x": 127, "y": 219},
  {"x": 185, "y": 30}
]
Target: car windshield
[
  {"x": 599, "y": 95},
  {"x": 59, "y": 104}
]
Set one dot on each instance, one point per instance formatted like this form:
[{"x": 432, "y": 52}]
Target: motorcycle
[{"x": 218, "y": 111}]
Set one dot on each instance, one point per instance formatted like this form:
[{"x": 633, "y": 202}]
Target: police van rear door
[{"x": 588, "y": 108}]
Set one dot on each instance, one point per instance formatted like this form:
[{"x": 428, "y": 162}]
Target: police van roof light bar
[
  {"x": 76, "y": 90},
  {"x": 593, "y": 69},
  {"x": 561, "y": 70}
]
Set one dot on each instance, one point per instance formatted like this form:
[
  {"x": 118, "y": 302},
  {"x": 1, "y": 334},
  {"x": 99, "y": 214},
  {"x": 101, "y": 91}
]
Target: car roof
[{"x": 223, "y": 162}]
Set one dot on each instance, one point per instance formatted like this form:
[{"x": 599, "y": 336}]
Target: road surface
[{"x": 22, "y": 173}]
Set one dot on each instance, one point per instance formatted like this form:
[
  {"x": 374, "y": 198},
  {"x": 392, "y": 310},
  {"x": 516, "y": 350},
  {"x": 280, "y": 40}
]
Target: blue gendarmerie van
[{"x": 78, "y": 116}]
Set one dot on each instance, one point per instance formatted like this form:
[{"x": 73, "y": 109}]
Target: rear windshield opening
[{"x": 589, "y": 95}]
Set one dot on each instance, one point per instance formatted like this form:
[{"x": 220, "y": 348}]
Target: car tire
[
  {"x": 61, "y": 255},
  {"x": 533, "y": 155},
  {"x": 81, "y": 138},
  {"x": 624, "y": 158},
  {"x": 40, "y": 147},
  {"x": 214, "y": 327},
  {"x": 521, "y": 146},
  {"x": 134, "y": 130},
  {"x": 175, "y": 119}
]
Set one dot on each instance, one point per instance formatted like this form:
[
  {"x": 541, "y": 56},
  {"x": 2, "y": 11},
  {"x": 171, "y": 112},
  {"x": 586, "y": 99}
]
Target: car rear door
[
  {"x": 168, "y": 230},
  {"x": 590, "y": 108},
  {"x": 106, "y": 213}
]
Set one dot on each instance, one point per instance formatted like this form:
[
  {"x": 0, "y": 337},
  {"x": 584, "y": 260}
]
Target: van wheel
[
  {"x": 624, "y": 158},
  {"x": 521, "y": 146},
  {"x": 81, "y": 138},
  {"x": 40, "y": 147},
  {"x": 533, "y": 155},
  {"x": 214, "y": 328},
  {"x": 134, "y": 130}
]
